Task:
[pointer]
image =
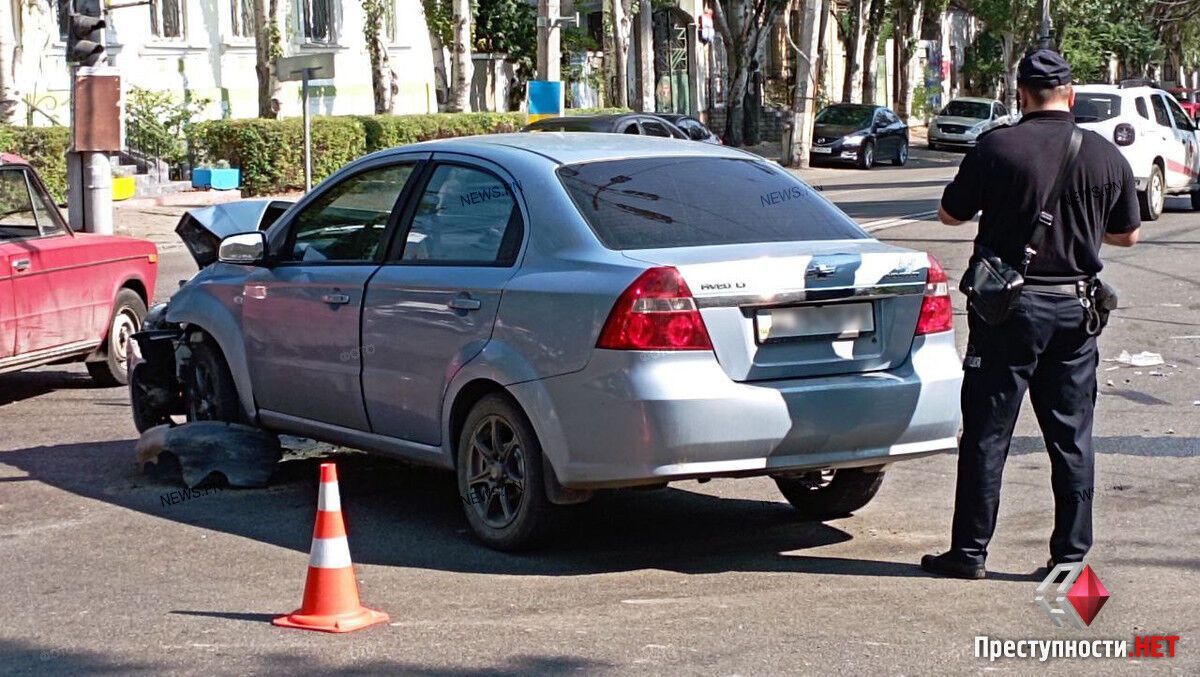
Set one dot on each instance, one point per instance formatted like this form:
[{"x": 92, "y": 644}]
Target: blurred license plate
[
  {"x": 842, "y": 320},
  {"x": 821, "y": 151}
]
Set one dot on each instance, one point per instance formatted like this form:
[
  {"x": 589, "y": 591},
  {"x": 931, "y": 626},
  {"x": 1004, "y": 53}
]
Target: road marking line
[{"x": 892, "y": 222}]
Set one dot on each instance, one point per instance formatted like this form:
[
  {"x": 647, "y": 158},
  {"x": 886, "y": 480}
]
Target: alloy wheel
[
  {"x": 1156, "y": 193},
  {"x": 202, "y": 395},
  {"x": 496, "y": 474}
]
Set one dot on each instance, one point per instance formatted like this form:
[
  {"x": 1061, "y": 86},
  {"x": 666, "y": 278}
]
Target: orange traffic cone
[{"x": 330, "y": 592}]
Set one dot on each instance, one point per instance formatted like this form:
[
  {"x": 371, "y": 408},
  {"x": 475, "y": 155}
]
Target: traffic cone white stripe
[
  {"x": 330, "y": 553},
  {"x": 328, "y": 498}
]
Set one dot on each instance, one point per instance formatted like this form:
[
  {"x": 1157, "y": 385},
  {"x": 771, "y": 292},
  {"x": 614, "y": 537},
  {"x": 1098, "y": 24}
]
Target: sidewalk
[{"x": 155, "y": 219}]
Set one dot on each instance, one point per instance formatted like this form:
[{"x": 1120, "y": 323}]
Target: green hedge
[
  {"x": 46, "y": 149},
  {"x": 270, "y": 153}
]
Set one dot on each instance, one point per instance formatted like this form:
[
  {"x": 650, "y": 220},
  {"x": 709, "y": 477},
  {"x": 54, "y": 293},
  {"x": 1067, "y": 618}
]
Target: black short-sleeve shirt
[{"x": 1008, "y": 176}]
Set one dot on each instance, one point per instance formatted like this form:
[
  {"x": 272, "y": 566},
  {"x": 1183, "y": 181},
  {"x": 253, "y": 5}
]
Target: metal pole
[
  {"x": 97, "y": 178},
  {"x": 549, "y": 54},
  {"x": 1045, "y": 27},
  {"x": 307, "y": 134}
]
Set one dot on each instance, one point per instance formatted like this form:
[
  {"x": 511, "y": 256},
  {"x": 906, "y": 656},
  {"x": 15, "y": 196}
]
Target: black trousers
[{"x": 1042, "y": 348}]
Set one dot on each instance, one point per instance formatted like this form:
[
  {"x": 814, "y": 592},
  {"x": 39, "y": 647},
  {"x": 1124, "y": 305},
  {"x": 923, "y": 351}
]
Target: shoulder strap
[{"x": 1045, "y": 219}]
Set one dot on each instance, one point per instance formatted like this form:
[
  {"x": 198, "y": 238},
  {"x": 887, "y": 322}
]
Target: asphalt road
[{"x": 100, "y": 574}]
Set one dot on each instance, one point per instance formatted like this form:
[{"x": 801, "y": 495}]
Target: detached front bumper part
[{"x": 154, "y": 390}]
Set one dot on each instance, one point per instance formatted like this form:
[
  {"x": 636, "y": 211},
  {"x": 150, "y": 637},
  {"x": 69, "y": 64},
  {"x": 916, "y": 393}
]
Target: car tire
[
  {"x": 1196, "y": 201},
  {"x": 817, "y": 496},
  {"x": 1152, "y": 199},
  {"x": 901, "y": 158},
  {"x": 209, "y": 393},
  {"x": 126, "y": 320},
  {"x": 933, "y": 146},
  {"x": 504, "y": 498},
  {"x": 866, "y": 155}
]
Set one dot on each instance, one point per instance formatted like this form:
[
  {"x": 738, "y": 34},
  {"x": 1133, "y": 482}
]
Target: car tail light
[
  {"x": 1124, "y": 134},
  {"x": 936, "y": 314},
  {"x": 656, "y": 312}
]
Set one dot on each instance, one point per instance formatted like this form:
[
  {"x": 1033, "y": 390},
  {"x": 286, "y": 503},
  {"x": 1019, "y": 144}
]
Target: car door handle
[
  {"x": 465, "y": 303},
  {"x": 336, "y": 299},
  {"x": 20, "y": 266}
]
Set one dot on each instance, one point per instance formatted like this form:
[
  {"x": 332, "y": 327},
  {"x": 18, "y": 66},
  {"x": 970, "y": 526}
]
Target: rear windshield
[
  {"x": 649, "y": 203},
  {"x": 564, "y": 126},
  {"x": 1091, "y": 107},
  {"x": 968, "y": 109}
]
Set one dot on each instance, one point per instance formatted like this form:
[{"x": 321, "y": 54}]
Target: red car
[
  {"x": 65, "y": 296},
  {"x": 1189, "y": 101}
]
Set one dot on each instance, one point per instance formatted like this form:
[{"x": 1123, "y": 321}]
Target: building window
[
  {"x": 166, "y": 18},
  {"x": 319, "y": 21},
  {"x": 241, "y": 18}
]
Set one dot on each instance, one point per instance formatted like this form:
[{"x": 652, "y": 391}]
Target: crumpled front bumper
[{"x": 633, "y": 418}]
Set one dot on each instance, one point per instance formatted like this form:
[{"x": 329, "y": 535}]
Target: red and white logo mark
[{"x": 1076, "y": 599}]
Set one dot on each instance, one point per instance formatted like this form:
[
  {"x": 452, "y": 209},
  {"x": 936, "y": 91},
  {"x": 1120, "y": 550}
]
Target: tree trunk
[
  {"x": 620, "y": 55},
  {"x": 460, "y": 90},
  {"x": 797, "y": 138},
  {"x": 383, "y": 78},
  {"x": 1008, "y": 50},
  {"x": 8, "y": 44},
  {"x": 871, "y": 49},
  {"x": 853, "y": 42},
  {"x": 268, "y": 31},
  {"x": 645, "y": 20},
  {"x": 822, "y": 65},
  {"x": 908, "y": 32}
]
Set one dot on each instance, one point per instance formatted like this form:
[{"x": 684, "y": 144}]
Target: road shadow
[
  {"x": 1173, "y": 446},
  {"x": 886, "y": 208},
  {"x": 401, "y": 515},
  {"x": 26, "y": 657},
  {"x": 879, "y": 185},
  {"x": 25, "y": 385}
]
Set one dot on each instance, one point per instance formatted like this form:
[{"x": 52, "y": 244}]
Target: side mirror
[{"x": 244, "y": 249}]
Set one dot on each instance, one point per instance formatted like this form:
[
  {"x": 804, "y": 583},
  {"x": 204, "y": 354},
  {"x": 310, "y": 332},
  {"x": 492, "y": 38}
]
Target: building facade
[{"x": 205, "y": 50}]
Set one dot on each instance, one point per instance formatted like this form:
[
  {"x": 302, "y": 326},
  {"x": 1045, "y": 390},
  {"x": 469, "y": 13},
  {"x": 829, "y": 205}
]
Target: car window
[
  {"x": 644, "y": 203},
  {"x": 654, "y": 128},
  {"x": 889, "y": 118},
  {"x": 1095, "y": 107},
  {"x": 49, "y": 218},
  {"x": 1140, "y": 104},
  {"x": 1177, "y": 114},
  {"x": 17, "y": 218},
  {"x": 347, "y": 221},
  {"x": 1001, "y": 111},
  {"x": 1160, "y": 110},
  {"x": 845, "y": 115},
  {"x": 629, "y": 127},
  {"x": 466, "y": 216}
]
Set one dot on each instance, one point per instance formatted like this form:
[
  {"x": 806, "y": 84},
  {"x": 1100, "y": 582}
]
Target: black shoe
[{"x": 946, "y": 564}]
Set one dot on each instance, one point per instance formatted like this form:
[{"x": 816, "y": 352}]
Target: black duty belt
[{"x": 1072, "y": 289}]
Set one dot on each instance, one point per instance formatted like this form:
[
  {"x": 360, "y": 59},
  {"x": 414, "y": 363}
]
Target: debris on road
[
  {"x": 244, "y": 455},
  {"x": 1142, "y": 359}
]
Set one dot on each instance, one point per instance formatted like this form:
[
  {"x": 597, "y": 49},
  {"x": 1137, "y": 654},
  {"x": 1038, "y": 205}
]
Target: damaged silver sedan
[{"x": 547, "y": 315}]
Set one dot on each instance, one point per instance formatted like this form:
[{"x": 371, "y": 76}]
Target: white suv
[{"x": 1157, "y": 138}]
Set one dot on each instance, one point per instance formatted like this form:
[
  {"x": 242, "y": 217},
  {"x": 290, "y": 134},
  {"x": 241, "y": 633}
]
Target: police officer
[{"x": 1045, "y": 346}]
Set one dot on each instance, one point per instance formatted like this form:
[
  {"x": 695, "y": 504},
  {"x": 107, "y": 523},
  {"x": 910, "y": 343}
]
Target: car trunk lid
[{"x": 799, "y": 309}]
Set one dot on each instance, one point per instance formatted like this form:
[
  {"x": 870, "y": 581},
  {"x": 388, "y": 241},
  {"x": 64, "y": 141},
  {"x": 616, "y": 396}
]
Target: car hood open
[{"x": 203, "y": 229}]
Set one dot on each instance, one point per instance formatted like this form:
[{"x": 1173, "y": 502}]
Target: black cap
[{"x": 1044, "y": 68}]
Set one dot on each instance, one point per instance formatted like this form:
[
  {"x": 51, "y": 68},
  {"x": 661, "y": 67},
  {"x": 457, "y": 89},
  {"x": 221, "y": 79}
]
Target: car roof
[
  {"x": 974, "y": 99},
  {"x": 13, "y": 159},
  {"x": 574, "y": 147},
  {"x": 605, "y": 117},
  {"x": 1116, "y": 89}
]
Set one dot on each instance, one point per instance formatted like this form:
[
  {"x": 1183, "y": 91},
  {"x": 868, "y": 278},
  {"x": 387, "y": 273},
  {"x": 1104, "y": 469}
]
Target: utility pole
[
  {"x": 95, "y": 120},
  {"x": 797, "y": 141},
  {"x": 549, "y": 41},
  {"x": 646, "y": 57},
  {"x": 1045, "y": 27}
]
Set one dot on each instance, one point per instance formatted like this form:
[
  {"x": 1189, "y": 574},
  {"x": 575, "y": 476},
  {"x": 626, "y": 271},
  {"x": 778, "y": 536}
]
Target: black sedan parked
[
  {"x": 696, "y": 130},
  {"x": 859, "y": 133},
  {"x": 625, "y": 123}
]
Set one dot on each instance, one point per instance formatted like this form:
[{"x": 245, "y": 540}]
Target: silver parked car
[
  {"x": 551, "y": 314},
  {"x": 962, "y": 120}
]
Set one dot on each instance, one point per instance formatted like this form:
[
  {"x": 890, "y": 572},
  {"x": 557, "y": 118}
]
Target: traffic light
[{"x": 85, "y": 37}]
